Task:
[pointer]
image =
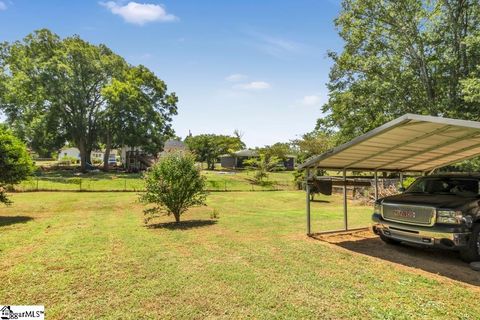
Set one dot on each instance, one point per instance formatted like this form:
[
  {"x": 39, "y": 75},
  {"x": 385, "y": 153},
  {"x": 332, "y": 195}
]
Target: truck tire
[
  {"x": 389, "y": 240},
  {"x": 472, "y": 251}
]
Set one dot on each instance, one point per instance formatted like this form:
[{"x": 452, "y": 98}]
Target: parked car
[{"x": 438, "y": 210}]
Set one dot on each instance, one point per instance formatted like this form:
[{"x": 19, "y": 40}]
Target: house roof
[
  {"x": 171, "y": 143},
  {"x": 413, "y": 143},
  {"x": 246, "y": 153}
]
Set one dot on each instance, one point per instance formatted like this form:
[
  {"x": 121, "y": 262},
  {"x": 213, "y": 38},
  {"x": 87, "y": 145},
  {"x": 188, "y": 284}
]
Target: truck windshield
[{"x": 457, "y": 186}]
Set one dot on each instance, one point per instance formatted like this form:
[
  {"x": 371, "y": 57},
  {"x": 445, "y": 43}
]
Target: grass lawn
[
  {"x": 99, "y": 181},
  {"x": 89, "y": 256}
]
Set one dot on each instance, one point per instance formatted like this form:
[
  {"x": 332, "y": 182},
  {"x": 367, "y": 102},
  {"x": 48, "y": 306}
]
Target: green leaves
[
  {"x": 55, "y": 90},
  {"x": 15, "y": 162},
  {"x": 403, "y": 56},
  {"x": 208, "y": 147},
  {"x": 174, "y": 184}
]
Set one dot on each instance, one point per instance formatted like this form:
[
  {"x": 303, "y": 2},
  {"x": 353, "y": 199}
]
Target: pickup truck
[{"x": 438, "y": 210}]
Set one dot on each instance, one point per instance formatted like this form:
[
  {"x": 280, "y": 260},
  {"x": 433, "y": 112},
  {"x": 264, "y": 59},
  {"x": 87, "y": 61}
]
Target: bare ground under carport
[{"x": 444, "y": 265}]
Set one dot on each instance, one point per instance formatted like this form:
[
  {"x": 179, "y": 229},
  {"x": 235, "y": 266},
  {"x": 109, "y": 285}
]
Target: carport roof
[{"x": 412, "y": 143}]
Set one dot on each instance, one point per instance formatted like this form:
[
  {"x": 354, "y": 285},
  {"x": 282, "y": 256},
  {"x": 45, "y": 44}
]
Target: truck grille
[{"x": 408, "y": 213}]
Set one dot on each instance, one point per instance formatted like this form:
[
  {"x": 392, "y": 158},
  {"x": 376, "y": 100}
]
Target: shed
[
  {"x": 410, "y": 143},
  {"x": 235, "y": 160}
]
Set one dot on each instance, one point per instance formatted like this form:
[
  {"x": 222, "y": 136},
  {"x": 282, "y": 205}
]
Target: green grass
[
  {"x": 100, "y": 181},
  {"x": 89, "y": 256}
]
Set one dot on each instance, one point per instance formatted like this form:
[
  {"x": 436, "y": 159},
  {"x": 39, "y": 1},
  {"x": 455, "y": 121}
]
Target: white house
[
  {"x": 96, "y": 155},
  {"x": 69, "y": 152}
]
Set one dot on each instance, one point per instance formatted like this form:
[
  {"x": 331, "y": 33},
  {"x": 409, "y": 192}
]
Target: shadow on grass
[
  {"x": 183, "y": 225},
  {"x": 435, "y": 261},
  {"x": 320, "y": 201},
  {"x": 6, "y": 221}
]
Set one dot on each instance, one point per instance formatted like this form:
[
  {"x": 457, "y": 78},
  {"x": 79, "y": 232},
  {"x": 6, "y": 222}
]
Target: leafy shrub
[
  {"x": 173, "y": 185},
  {"x": 15, "y": 162},
  {"x": 262, "y": 166}
]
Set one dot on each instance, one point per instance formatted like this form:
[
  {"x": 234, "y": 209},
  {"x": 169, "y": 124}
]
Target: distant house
[
  {"x": 174, "y": 145},
  {"x": 237, "y": 159},
  {"x": 95, "y": 156},
  {"x": 69, "y": 152},
  {"x": 125, "y": 149}
]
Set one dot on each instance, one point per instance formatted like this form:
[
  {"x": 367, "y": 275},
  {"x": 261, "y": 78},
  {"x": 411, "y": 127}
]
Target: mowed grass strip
[
  {"x": 100, "y": 181},
  {"x": 89, "y": 256}
]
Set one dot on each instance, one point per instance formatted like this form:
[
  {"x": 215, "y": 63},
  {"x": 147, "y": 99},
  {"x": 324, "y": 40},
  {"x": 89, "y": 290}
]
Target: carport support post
[
  {"x": 307, "y": 189},
  {"x": 401, "y": 179},
  {"x": 345, "y": 209},
  {"x": 376, "y": 185}
]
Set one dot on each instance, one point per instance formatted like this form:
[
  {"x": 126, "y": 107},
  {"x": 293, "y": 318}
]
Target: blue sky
[{"x": 256, "y": 66}]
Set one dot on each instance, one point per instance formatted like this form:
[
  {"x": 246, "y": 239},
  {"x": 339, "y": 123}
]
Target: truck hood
[{"x": 443, "y": 201}]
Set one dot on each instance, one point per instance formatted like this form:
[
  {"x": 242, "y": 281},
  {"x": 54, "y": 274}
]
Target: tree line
[
  {"x": 403, "y": 56},
  {"x": 55, "y": 90}
]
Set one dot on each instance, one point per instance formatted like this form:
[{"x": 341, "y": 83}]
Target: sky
[{"x": 260, "y": 67}]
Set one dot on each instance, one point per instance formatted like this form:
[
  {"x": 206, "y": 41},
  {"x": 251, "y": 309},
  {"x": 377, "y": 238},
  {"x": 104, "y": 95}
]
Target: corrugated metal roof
[{"x": 409, "y": 143}]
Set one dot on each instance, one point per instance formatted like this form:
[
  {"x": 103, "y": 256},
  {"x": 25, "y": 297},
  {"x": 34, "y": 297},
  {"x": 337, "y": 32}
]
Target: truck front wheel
[{"x": 472, "y": 251}]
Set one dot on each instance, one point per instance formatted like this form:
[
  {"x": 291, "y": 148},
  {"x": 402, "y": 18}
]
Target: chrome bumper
[{"x": 446, "y": 237}]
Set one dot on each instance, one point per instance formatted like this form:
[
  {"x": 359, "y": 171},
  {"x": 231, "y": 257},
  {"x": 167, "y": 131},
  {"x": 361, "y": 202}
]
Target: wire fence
[{"x": 78, "y": 184}]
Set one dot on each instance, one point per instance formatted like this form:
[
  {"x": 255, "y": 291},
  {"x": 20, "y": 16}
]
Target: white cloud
[
  {"x": 146, "y": 56},
  {"x": 311, "y": 100},
  {"x": 139, "y": 13},
  {"x": 254, "y": 85},
  {"x": 3, "y": 6},
  {"x": 276, "y": 46},
  {"x": 236, "y": 77}
]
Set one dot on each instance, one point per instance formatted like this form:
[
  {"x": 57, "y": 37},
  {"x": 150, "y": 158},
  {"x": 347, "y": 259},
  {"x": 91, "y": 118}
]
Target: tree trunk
[
  {"x": 177, "y": 217},
  {"x": 83, "y": 155},
  {"x": 106, "y": 156},
  {"x": 88, "y": 155}
]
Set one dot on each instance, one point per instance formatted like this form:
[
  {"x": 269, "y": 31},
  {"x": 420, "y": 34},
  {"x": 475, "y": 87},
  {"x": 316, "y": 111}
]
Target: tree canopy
[
  {"x": 403, "y": 56},
  {"x": 174, "y": 184},
  {"x": 209, "y": 147},
  {"x": 56, "y": 89}
]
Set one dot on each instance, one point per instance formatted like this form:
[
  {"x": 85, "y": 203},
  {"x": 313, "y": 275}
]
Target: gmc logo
[{"x": 404, "y": 213}]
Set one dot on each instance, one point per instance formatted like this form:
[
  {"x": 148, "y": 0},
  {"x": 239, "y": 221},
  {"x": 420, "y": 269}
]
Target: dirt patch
[{"x": 440, "y": 264}]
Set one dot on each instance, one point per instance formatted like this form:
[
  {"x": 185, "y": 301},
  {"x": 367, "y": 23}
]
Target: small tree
[
  {"x": 262, "y": 166},
  {"x": 174, "y": 184},
  {"x": 15, "y": 162}
]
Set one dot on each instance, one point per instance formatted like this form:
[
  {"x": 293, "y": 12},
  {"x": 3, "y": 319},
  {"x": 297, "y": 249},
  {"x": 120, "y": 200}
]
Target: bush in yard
[
  {"x": 173, "y": 184},
  {"x": 15, "y": 162},
  {"x": 262, "y": 166}
]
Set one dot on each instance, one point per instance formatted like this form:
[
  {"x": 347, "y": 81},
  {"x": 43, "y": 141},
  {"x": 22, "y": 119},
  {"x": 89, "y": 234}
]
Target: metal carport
[{"x": 411, "y": 143}]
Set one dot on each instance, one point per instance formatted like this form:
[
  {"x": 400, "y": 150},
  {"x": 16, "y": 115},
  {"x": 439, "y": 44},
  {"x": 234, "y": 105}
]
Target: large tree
[
  {"x": 64, "y": 80},
  {"x": 139, "y": 113},
  {"x": 209, "y": 147},
  {"x": 403, "y": 56}
]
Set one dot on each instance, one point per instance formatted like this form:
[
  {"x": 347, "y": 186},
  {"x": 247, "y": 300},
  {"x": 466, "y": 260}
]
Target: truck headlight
[
  {"x": 377, "y": 208},
  {"x": 449, "y": 216}
]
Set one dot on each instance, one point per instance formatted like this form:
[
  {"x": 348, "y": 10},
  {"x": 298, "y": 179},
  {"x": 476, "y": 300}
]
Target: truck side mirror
[{"x": 401, "y": 189}]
